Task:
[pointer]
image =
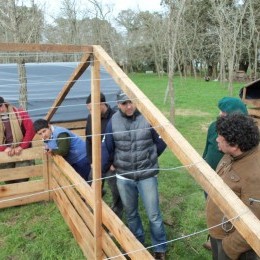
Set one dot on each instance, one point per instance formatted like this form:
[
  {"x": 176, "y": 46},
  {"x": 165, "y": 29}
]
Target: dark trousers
[
  {"x": 117, "y": 205},
  {"x": 219, "y": 254},
  {"x": 82, "y": 167}
]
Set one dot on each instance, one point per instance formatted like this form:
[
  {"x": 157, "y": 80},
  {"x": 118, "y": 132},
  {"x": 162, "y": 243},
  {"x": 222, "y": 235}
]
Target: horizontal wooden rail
[
  {"x": 21, "y": 188},
  {"x": 22, "y": 193},
  {"x": 21, "y": 173},
  {"x": 18, "y": 47},
  {"x": 23, "y": 199},
  {"x": 35, "y": 189},
  {"x": 83, "y": 213},
  {"x": 27, "y": 154},
  {"x": 121, "y": 233}
]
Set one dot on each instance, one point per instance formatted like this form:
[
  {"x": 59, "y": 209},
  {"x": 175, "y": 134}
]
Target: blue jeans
[{"x": 129, "y": 191}]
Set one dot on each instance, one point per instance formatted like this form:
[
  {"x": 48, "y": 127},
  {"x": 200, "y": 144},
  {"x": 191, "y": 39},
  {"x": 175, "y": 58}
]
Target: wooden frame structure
[
  {"x": 86, "y": 217},
  {"x": 251, "y": 97}
]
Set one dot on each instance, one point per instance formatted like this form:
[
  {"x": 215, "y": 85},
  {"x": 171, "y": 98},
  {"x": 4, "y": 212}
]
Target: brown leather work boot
[
  {"x": 159, "y": 255},
  {"x": 207, "y": 244}
]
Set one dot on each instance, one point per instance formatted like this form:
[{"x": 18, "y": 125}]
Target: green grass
[{"x": 37, "y": 231}]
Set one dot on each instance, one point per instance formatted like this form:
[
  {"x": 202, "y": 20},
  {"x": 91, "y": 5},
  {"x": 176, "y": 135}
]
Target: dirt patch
[
  {"x": 191, "y": 112},
  {"x": 187, "y": 112}
]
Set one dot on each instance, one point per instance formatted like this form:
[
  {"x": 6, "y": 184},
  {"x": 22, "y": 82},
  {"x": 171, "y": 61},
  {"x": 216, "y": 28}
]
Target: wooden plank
[
  {"x": 27, "y": 154},
  {"x": 73, "y": 125},
  {"x": 96, "y": 155},
  {"x": 254, "y": 112},
  {"x": 252, "y": 102},
  {"x": 247, "y": 224},
  {"x": 81, "y": 133},
  {"x": 83, "y": 209},
  {"x": 18, "y": 47},
  {"x": 23, "y": 199},
  {"x": 21, "y": 172},
  {"x": 21, "y": 188},
  {"x": 75, "y": 223},
  {"x": 121, "y": 233},
  {"x": 84, "y": 63},
  {"x": 46, "y": 170}
]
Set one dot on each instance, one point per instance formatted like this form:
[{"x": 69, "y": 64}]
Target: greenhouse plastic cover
[{"x": 44, "y": 83}]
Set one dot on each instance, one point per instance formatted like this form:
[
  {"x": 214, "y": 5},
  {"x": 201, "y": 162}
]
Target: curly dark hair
[{"x": 240, "y": 130}]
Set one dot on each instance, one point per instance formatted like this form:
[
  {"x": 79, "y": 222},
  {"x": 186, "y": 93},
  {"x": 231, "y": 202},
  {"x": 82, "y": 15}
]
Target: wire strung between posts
[
  {"x": 104, "y": 178},
  {"x": 63, "y": 106},
  {"x": 54, "y": 82},
  {"x": 149, "y": 247},
  {"x": 59, "y": 64},
  {"x": 180, "y": 238},
  {"x": 93, "y": 135}
]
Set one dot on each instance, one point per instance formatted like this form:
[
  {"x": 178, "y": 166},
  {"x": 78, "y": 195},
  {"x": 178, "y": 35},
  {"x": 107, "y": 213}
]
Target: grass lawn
[{"x": 37, "y": 231}]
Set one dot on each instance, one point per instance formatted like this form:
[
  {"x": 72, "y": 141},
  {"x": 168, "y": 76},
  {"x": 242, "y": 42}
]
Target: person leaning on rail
[
  {"x": 238, "y": 139},
  {"x": 61, "y": 141},
  {"x": 16, "y": 134}
]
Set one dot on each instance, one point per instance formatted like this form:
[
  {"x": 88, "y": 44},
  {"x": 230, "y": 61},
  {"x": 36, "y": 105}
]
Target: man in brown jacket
[{"x": 238, "y": 138}]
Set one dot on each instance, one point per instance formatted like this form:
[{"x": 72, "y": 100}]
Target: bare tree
[
  {"x": 176, "y": 9},
  {"x": 23, "y": 25},
  {"x": 254, "y": 38},
  {"x": 229, "y": 18}
]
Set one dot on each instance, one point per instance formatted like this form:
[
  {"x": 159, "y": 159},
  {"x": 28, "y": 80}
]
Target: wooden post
[
  {"x": 46, "y": 173},
  {"x": 96, "y": 155}
]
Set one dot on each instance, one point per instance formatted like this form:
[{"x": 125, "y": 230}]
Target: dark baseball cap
[{"x": 121, "y": 97}]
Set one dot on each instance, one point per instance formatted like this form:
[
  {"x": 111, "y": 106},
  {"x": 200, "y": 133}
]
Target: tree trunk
[{"x": 23, "y": 97}]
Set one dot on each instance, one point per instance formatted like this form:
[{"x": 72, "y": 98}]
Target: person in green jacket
[{"x": 212, "y": 155}]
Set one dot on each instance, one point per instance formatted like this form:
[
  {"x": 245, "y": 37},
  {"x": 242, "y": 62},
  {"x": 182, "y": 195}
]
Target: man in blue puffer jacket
[
  {"x": 133, "y": 148},
  {"x": 61, "y": 141}
]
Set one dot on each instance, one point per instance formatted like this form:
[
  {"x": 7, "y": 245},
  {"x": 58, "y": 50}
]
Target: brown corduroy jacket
[{"x": 242, "y": 175}]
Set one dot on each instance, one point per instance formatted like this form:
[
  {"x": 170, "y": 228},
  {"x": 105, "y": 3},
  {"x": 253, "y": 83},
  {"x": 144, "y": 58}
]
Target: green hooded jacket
[{"x": 211, "y": 153}]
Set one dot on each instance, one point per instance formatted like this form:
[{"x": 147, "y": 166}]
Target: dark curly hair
[{"x": 240, "y": 130}]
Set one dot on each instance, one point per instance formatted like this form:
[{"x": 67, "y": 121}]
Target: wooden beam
[
  {"x": 46, "y": 170},
  {"x": 247, "y": 224},
  {"x": 27, "y": 154},
  {"x": 122, "y": 234},
  {"x": 84, "y": 63},
  {"x": 74, "y": 125},
  {"x": 254, "y": 112},
  {"x": 96, "y": 155},
  {"x": 21, "y": 188},
  {"x": 21, "y": 172},
  {"x": 85, "y": 212},
  {"x": 25, "y": 199},
  {"x": 19, "y": 47},
  {"x": 77, "y": 227},
  {"x": 252, "y": 102}
]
